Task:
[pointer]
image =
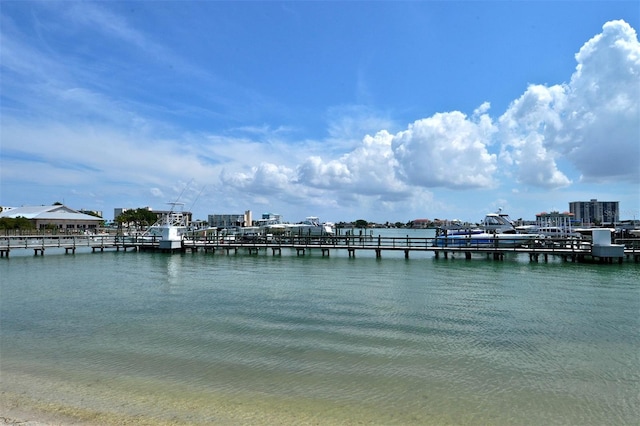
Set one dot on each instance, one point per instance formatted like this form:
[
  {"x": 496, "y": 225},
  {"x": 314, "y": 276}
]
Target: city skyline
[{"x": 601, "y": 211}]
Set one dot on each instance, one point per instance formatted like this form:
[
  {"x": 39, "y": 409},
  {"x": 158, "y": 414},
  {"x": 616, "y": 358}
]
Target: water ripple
[{"x": 467, "y": 342}]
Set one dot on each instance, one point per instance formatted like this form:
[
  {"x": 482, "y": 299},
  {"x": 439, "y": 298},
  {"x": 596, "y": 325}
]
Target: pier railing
[
  {"x": 559, "y": 246},
  {"x": 69, "y": 242},
  {"x": 548, "y": 246},
  {"x": 48, "y": 241},
  {"x": 394, "y": 243},
  {"x": 342, "y": 241}
]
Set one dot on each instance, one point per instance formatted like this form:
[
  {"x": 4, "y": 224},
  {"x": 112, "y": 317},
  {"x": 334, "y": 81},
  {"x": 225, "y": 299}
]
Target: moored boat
[
  {"x": 486, "y": 239},
  {"x": 312, "y": 226},
  {"x": 497, "y": 230}
]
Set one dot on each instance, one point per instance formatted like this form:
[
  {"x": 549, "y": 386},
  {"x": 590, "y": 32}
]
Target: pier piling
[{"x": 567, "y": 250}]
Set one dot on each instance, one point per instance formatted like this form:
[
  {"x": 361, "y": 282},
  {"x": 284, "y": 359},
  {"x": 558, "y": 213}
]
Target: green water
[{"x": 142, "y": 338}]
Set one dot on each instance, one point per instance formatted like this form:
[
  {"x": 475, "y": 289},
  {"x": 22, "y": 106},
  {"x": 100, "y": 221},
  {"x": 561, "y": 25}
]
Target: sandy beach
[
  {"x": 23, "y": 418},
  {"x": 31, "y": 401},
  {"x": 16, "y": 410}
]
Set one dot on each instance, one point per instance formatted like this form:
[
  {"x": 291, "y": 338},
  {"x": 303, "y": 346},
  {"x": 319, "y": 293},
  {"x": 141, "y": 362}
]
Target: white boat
[
  {"x": 498, "y": 223},
  {"x": 557, "y": 232},
  {"x": 486, "y": 239},
  {"x": 272, "y": 226},
  {"x": 170, "y": 229},
  {"x": 497, "y": 230},
  {"x": 251, "y": 234},
  {"x": 312, "y": 226}
]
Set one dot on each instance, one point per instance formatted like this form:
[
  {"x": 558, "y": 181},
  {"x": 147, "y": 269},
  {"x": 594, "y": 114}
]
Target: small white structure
[
  {"x": 602, "y": 246},
  {"x": 171, "y": 227},
  {"x": 171, "y": 239}
]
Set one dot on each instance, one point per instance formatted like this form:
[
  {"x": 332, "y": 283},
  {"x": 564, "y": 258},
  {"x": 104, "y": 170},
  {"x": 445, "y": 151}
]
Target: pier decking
[
  {"x": 567, "y": 249},
  {"x": 39, "y": 243}
]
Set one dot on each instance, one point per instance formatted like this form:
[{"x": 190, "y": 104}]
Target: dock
[
  {"x": 40, "y": 243},
  {"x": 571, "y": 250},
  {"x": 568, "y": 249}
]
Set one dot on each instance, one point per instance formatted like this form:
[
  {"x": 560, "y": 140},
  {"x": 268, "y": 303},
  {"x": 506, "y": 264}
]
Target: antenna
[
  {"x": 175, "y": 203},
  {"x": 184, "y": 189},
  {"x": 196, "y": 199}
]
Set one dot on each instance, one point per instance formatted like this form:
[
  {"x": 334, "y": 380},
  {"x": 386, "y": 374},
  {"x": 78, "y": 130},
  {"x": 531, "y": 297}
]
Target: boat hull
[{"x": 486, "y": 240}]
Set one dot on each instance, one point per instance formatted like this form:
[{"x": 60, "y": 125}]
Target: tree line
[
  {"x": 15, "y": 223},
  {"x": 138, "y": 218}
]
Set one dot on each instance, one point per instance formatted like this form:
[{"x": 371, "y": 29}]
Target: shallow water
[{"x": 201, "y": 338}]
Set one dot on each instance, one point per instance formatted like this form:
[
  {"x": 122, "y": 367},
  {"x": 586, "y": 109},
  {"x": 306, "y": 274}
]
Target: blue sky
[{"x": 385, "y": 111}]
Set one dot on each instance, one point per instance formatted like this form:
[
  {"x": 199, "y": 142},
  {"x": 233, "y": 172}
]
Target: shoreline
[
  {"x": 18, "y": 412},
  {"x": 38, "y": 401},
  {"x": 59, "y": 404}
]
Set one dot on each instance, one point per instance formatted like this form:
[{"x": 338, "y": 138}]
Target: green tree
[
  {"x": 138, "y": 218},
  {"x": 18, "y": 223},
  {"x": 361, "y": 223}
]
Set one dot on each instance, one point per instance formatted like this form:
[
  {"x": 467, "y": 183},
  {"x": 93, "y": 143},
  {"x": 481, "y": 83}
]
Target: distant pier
[
  {"x": 40, "y": 243},
  {"x": 570, "y": 250}
]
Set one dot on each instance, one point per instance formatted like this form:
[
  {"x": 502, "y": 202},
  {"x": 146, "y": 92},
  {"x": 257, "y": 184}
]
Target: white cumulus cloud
[
  {"x": 264, "y": 178},
  {"x": 592, "y": 122},
  {"x": 524, "y": 129},
  {"x": 602, "y": 135},
  {"x": 369, "y": 169},
  {"x": 447, "y": 150}
]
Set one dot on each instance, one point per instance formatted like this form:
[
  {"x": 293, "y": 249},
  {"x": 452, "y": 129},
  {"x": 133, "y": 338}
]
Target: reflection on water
[
  {"x": 173, "y": 271},
  {"x": 204, "y": 338}
]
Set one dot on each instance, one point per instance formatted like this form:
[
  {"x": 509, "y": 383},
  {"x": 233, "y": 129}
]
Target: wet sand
[{"x": 29, "y": 400}]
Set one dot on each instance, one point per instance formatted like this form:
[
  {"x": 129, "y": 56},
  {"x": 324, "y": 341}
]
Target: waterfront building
[
  {"x": 118, "y": 211},
  {"x": 229, "y": 220},
  {"x": 57, "y": 216},
  {"x": 595, "y": 212},
  {"x": 555, "y": 224},
  {"x": 175, "y": 216},
  {"x": 420, "y": 223}
]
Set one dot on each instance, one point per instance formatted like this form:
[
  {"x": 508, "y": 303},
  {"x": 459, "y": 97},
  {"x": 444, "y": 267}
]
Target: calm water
[{"x": 208, "y": 338}]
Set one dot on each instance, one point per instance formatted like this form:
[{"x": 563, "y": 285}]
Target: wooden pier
[
  {"x": 568, "y": 249},
  {"x": 40, "y": 243}
]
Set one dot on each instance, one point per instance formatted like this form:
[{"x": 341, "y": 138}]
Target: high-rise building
[{"x": 595, "y": 211}]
